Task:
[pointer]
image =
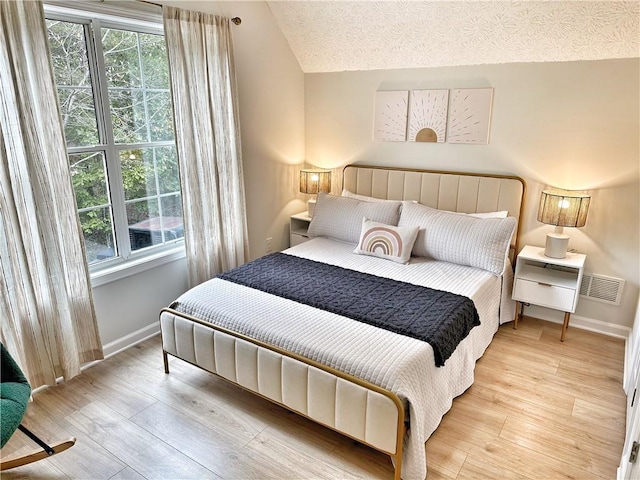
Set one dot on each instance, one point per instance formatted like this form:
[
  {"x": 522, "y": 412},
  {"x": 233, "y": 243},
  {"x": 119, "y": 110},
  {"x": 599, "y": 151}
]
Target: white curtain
[
  {"x": 46, "y": 307},
  {"x": 208, "y": 140}
]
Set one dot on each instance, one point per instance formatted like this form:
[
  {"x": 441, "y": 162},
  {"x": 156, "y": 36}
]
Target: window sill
[{"x": 133, "y": 267}]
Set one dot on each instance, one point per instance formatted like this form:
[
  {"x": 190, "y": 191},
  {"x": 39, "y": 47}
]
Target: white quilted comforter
[{"x": 400, "y": 364}]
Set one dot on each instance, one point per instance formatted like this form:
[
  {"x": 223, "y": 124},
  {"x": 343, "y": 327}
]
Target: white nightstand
[
  {"x": 547, "y": 282},
  {"x": 298, "y": 227}
]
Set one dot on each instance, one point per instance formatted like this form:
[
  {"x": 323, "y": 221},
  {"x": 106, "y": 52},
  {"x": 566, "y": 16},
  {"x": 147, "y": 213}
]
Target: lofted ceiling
[{"x": 331, "y": 36}]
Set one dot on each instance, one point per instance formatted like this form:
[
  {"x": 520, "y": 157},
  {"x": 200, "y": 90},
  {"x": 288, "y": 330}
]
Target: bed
[{"x": 317, "y": 360}]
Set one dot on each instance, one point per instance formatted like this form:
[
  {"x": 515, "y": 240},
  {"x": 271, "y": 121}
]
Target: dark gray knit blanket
[{"x": 439, "y": 318}]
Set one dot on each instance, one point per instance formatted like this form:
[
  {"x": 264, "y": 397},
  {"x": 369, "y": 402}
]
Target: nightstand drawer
[
  {"x": 297, "y": 239},
  {"x": 545, "y": 295}
]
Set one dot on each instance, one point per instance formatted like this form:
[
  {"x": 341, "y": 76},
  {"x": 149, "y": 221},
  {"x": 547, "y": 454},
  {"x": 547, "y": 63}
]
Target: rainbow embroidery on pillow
[{"x": 382, "y": 241}]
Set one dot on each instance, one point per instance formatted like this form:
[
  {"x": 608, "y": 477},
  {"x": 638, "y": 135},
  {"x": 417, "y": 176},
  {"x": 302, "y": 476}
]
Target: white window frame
[{"x": 123, "y": 15}]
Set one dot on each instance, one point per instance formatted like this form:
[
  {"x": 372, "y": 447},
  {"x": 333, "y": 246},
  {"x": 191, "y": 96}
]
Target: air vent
[{"x": 601, "y": 288}]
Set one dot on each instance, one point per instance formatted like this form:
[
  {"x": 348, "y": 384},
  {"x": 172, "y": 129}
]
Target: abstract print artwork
[
  {"x": 469, "y": 115},
  {"x": 391, "y": 116},
  {"x": 428, "y": 115}
]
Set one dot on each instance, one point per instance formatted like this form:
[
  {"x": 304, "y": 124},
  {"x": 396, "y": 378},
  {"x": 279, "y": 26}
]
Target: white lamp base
[
  {"x": 311, "y": 206},
  {"x": 556, "y": 245}
]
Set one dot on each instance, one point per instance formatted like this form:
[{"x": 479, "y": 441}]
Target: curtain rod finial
[{"x": 236, "y": 20}]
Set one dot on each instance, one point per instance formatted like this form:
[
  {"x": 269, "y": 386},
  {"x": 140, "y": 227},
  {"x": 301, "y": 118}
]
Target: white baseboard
[
  {"x": 577, "y": 321},
  {"x": 128, "y": 341},
  {"x": 598, "y": 326},
  {"x": 117, "y": 346}
]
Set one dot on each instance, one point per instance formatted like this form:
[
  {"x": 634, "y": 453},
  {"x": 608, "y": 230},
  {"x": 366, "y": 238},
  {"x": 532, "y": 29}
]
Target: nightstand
[
  {"x": 547, "y": 282},
  {"x": 298, "y": 227}
]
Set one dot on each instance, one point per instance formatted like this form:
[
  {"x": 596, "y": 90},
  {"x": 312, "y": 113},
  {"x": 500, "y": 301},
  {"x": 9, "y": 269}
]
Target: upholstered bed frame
[{"x": 349, "y": 405}]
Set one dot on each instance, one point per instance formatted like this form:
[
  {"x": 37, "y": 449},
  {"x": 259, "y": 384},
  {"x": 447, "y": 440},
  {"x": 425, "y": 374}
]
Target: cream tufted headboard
[{"x": 453, "y": 191}]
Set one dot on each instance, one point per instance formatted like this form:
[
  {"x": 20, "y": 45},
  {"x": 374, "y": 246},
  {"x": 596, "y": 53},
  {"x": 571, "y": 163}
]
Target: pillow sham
[
  {"x": 386, "y": 241},
  {"x": 461, "y": 239},
  {"x": 341, "y": 217},
  {"x": 363, "y": 198},
  {"x": 500, "y": 214}
]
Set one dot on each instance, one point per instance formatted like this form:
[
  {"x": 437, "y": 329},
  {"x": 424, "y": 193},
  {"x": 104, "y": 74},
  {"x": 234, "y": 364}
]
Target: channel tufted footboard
[{"x": 349, "y": 405}]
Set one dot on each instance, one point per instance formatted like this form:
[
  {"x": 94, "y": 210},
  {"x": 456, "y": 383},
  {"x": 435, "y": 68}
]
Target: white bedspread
[{"x": 401, "y": 364}]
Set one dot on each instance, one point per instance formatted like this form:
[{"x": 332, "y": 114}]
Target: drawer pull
[{"x": 545, "y": 284}]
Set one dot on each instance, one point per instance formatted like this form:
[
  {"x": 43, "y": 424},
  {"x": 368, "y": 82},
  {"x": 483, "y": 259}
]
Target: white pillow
[
  {"x": 364, "y": 198},
  {"x": 500, "y": 214},
  {"x": 386, "y": 241},
  {"x": 341, "y": 217},
  {"x": 461, "y": 239}
]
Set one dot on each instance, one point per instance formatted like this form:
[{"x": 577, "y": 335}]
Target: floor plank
[
  {"x": 539, "y": 409},
  {"x": 152, "y": 457}
]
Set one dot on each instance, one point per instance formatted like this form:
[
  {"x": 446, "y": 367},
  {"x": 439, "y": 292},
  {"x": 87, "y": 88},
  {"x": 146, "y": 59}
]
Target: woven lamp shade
[
  {"x": 563, "y": 208},
  {"x": 315, "y": 181}
]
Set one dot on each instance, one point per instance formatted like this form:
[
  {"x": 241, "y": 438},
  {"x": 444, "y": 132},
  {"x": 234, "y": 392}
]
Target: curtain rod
[{"x": 235, "y": 20}]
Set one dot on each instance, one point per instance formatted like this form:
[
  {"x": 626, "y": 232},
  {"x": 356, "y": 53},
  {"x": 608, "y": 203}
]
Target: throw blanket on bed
[{"x": 440, "y": 318}]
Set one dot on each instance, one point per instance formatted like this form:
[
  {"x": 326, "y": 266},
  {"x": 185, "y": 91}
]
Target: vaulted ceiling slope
[{"x": 331, "y": 36}]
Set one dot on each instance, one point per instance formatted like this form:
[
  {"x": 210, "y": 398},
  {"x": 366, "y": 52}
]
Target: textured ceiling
[{"x": 330, "y": 36}]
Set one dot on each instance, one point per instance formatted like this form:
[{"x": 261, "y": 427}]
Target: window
[{"x": 115, "y": 103}]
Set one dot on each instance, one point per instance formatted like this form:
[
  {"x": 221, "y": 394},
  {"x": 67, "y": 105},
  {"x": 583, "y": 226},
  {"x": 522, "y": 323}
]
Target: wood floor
[{"x": 539, "y": 409}]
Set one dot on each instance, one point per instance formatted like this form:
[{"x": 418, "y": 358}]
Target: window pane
[
  {"x": 154, "y": 61},
  {"x": 121, "y": 58},
  {"x": 172, "y": 225},
  {"x": 138, "y": 173},
  {"x": 167, "y": 165},
  {"x": 147, "y": 227},
  {"x": 128, "y": 115},
  {"x": 89, "y": 177},
  {"x": 68, "y": 53},
  {"x": 153, "y": 219},
  {"x": 138, "y": 80},
  {"x": 99, "y": 236},
  {"x": 144, "y": 223},
  {"x": 160, "y": 116},
  {"x": 78, "y": 116},
  {"x": 71, "y": 70}
]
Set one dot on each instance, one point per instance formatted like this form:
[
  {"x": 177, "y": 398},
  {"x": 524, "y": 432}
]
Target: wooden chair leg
[{"x": 44, "y": 451}]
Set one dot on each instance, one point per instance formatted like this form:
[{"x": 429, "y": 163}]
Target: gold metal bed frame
[{"x": 256, "y": 366}]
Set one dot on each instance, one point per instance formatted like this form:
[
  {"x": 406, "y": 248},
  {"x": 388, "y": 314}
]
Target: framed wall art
[
  {"x": 470, "y": 115},
  {"x": 390, "y": 124},
  {"x": 428, "y": 115}
]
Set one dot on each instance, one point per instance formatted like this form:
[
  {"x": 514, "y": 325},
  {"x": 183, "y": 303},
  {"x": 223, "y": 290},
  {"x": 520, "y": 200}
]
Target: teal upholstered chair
[{"x": 15, "y": 392}]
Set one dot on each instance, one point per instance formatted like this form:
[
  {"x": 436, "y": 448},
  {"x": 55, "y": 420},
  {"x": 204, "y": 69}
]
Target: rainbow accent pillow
[{"x": 386, "y": 241}]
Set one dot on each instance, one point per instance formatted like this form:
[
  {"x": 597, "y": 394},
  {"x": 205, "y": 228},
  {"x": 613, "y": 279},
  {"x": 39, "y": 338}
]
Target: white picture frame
[
  {"x": 428, "y": 115},
  {"x": 470, "y": 115},
  {"x": 391, "y": 110}
]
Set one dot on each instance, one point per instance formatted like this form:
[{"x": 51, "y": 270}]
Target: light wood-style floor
[{"x": 539, "y": 409}]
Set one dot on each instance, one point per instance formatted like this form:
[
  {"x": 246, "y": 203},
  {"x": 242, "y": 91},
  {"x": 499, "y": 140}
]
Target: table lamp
[
  {"x": 562, "y": 208},
  {"x": 313, "y": 181}
]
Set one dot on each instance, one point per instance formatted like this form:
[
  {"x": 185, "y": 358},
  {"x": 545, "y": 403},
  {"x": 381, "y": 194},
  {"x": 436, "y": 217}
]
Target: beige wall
[{"x": 573, "y": 125}]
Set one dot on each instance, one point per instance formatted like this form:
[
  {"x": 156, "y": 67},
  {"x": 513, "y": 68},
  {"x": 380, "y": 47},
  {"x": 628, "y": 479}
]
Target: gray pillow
[
  {"x": 462, "y": 239},
  {"x": 341, "y": 217}
]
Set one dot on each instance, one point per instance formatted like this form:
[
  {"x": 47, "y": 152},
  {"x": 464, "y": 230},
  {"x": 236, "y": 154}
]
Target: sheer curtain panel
[
  {"x": 203, "y": 86},
  {"x": 48, "y": 318}
]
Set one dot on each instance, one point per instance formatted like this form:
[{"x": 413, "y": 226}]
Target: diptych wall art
[{"x": 456, "y": 116}]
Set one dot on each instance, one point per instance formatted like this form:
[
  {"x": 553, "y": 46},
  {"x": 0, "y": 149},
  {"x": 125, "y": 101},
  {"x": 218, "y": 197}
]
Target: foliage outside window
[{"x": 115, "y": 102}]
